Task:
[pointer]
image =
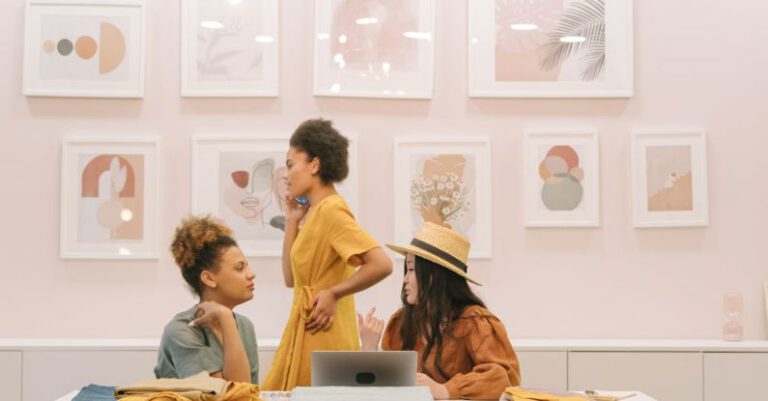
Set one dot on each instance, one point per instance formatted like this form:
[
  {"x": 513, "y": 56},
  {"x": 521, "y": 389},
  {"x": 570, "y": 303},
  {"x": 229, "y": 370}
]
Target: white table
[{"x": 638, "y": 395}]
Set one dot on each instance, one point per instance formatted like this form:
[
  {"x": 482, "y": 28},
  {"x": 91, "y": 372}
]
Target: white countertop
[
  {"x": 521, "y": 345},
  {"x": 638, "y": 396}
]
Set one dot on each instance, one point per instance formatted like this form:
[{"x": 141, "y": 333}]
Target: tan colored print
[{"x": 669, "y": 178}]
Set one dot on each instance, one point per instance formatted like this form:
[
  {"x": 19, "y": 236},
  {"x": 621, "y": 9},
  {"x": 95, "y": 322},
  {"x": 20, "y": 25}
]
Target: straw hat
[{"x": 441, "y": 245}]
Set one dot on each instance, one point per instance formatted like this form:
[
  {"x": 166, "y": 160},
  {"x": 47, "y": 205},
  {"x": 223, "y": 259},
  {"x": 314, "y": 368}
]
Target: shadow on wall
[
  {"x": 548, "y": 107},
  {"x": 77, "y": 108}
]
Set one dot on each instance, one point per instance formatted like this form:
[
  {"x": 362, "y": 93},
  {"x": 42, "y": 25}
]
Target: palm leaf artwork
[{"x": 582, "y": 19}]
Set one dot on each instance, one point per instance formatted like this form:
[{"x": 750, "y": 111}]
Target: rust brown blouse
[{"x": 477, "y": 356}]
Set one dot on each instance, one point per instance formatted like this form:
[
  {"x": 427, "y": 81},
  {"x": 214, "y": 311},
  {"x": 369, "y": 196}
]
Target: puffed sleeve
[
  {"x": 391, "y": 340},
  {"x": 347, "y": 238},
  {"x": 495, "y": 362}
]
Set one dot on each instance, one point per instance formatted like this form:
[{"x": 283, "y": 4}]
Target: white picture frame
[
  {"x": 562, "y": 178},
  {"x": 109, "y": 198},
  {"x": 387, "y": 53},
  {"x": 669, "y": 176},
  {"x": 84, "y": 48},
  {"x": 215, "y": 191},
  {"x": 531, "y": 50},
  {"x": 230, "y": 49},
  {"x": 417, "y": 161}
]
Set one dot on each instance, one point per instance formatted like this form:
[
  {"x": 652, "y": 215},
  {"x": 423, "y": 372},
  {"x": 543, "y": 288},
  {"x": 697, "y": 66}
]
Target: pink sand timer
[{"x": 733, "y": 306}]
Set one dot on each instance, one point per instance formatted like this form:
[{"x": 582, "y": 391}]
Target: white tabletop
[
  {"x": 638, "y": 396},
  {"x": 267, "y": 395}
]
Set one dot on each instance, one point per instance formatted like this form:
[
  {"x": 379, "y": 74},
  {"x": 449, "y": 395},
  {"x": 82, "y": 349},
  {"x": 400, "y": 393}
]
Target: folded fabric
[
  {"x": 199, "y": 387},
  {"x": 521, "y": 394},
  {"x": 95, "y": 392},
  {"x": 235, "y": 392}
]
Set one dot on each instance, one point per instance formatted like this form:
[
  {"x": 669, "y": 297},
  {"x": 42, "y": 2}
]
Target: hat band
[{"x": 439, "y": 253}]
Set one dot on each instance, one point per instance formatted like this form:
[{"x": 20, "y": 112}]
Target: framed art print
[
  {"x": 446, "y": 181},
  {"x": 109, "y": 193},
  {"x": 670, "y": 185},
  {"x": 84, "y": 48},
  {"x": 239, "y": 179},
  {"x": 374, "y": 48},
  {"x": 562, "y": 183},
  {"x": 229, "y": 48},
  {"x": 550, "y": 48}
]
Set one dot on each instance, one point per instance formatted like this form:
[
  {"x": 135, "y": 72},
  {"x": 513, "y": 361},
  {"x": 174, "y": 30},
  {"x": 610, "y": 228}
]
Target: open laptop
[{"x": 364, "y": 368}]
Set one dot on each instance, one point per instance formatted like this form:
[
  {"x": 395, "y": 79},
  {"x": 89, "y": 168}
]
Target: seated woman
[
  {"x": 210, "y": 336},
  {"x": 463, "y": 349}
]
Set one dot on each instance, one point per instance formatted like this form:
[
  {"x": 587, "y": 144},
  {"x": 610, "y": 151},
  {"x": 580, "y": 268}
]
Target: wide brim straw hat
[{"x": 440, "y": 245}]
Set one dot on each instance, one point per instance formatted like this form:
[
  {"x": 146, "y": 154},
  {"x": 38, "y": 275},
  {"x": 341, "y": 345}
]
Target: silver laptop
[{"x": 364, "y": 368}]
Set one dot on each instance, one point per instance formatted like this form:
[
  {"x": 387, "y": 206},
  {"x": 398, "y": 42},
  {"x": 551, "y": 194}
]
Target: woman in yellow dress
[{"x": 326, "y": 260}]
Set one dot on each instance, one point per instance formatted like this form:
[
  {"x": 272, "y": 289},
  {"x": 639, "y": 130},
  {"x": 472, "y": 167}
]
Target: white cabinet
[
  {"x": 265, "y": 362},
  {"x": 544, "y": 370},
  {"x": 10, "y": 375},
  {"x": 735, "y": 376},
  {"x": 665, "y": 376},
  {"x": 51, "y": 374}
]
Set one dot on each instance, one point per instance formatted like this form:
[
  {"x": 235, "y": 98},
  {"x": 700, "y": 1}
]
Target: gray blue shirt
[{"x": 185, "y": 351}]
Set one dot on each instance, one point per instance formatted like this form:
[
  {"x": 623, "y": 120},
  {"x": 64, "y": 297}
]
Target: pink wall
[{"x": 698, "y": 64}]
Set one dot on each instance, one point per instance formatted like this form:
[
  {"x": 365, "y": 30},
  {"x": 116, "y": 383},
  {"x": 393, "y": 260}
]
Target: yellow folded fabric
[
  {"x": 521, "y": 394},
  {"x": 242, "y": 392},
  {"x": 235, "y": 392},
  {"x": 199, "y": 387},
  {"x": 162, "y": 396}
]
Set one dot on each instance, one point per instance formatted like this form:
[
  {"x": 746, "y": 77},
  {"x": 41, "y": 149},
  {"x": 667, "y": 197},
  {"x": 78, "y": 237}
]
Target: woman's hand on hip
[{"x": 322, "y": 312}]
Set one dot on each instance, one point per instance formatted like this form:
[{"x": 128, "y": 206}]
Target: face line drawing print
[{"x": 248, "y": 194}]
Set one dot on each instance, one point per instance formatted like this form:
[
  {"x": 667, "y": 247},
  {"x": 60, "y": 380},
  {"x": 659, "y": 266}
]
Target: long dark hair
[{"x": 442, "y": 297}]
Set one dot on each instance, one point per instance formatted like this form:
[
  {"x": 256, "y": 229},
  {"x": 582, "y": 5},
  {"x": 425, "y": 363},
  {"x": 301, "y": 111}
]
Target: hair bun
[{"x": 192, "y": 235}]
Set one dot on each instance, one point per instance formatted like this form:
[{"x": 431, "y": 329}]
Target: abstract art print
[
  {"x": 240, "y": 179},
  {"x": 374, "y": 48},
  {"x": 87, "y": 48},
  {"x": 562, "y": 179},
  {"x": 109, "y": 199},
  {"x": 670, "y": 179},
  {"x": 447, "y": 182},
  {"x": 229, "y": 48},
  {"x": 550, "y": 48}
]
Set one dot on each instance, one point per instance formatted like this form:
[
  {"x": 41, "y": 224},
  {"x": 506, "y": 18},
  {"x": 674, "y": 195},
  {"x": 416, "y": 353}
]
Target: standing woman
[{"x": 320, "y": 258}]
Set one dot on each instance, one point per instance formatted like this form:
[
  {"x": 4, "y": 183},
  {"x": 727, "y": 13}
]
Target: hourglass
[{"x": 733, "y": 306}]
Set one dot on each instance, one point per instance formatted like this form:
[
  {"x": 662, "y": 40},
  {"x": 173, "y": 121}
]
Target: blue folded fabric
[{"x": 95, "y": 392}]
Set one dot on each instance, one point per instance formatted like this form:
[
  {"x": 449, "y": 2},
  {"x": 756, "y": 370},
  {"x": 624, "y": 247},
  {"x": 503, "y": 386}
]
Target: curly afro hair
[
  {"x": 318, "y": 138},
  {"x": 197, "y": 245}
]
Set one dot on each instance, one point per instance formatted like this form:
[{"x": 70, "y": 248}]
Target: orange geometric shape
[
  {"x": 100, "y": 164},
  {"x": 85, "y": 47},
  {"x": 543, "y": 171},
  {"x": 567, "y": 153},
  {"x": 112, "y": 48},
  {"x": 48, "y": 47},
  {"x": 577, "y": 173},
  {"x": 555, "y": 165},
  {"x": 241, "y": 178}
]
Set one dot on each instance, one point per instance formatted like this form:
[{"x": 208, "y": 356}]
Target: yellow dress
[{"x": 323, "y": 255}]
